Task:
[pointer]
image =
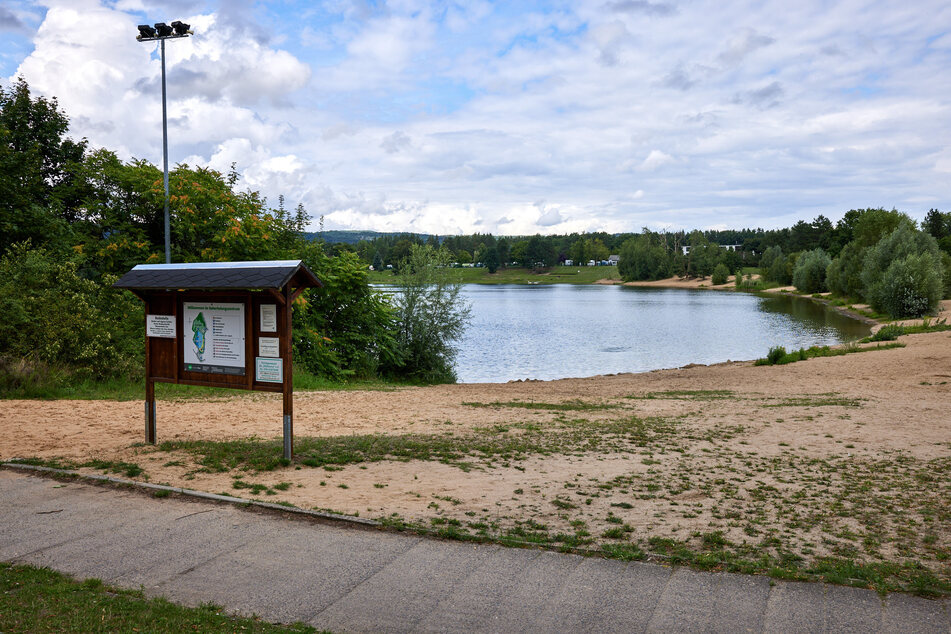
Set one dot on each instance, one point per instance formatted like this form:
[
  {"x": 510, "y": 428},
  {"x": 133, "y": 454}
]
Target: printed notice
[
  {"x": 160, "y": 326},
  {"x": 268, "y": 370},
  {"x": 214, "y": 337},
  {"x": 269, "y": 347},
  {"x": 268, "y": 317}
]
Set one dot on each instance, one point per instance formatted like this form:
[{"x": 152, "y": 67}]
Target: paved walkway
[{"x": 365, "y": 580}]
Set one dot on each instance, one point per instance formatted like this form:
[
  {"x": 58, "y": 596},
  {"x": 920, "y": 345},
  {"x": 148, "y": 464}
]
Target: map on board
[{"x": 217, "y": 344}]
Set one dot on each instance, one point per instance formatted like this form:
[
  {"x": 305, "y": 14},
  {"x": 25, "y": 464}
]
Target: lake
[{"x": 558, "y": 331}]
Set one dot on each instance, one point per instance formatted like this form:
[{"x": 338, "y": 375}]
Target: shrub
[
  {"x": 56, "y": 323},
  {"x": 771, "y": 257},
  {"x": 720, "y": 274},
  {"x": 912, "y": 286},
  {"x": 776, "y": 354},
  {"x": 843, "y": 276},
  {"x": 890, "y": 332},
  {"x": 430, "y": 316},
  {"x": 809, "y": 276},
  {"x": 915, "y": 284}
]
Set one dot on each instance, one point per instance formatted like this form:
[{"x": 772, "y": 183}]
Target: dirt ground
[{"x": 841, "y": 456}]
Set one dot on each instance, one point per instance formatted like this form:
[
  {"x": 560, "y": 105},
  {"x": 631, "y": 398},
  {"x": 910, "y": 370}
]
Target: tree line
[{"x": 73, "y": 219}]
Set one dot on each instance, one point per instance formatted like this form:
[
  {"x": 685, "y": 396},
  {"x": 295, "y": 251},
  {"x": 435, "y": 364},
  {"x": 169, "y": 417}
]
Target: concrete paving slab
[
  {"x": 291, "y": 575},
  {"x": 404, "y": 592},
  {"x": 601, "y": 596},
  {"x": 796, "y": 607},
  {"x": 686, "y": 603},
  {"x": 739, "y": 603},
  {"x": 904, "y": 613},
  {"x": 853, "y": 609},
  {"x": 472, "y": 606}
]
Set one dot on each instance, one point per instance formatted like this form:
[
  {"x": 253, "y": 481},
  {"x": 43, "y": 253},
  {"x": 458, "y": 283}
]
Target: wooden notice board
[{"x": 220, "y": 324}]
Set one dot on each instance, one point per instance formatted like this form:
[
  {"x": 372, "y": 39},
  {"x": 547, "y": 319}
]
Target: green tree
[
  {"x": 643, "y": 258},
  {"x": 720, "y": 274},
  {"x": 809, "y": 276},
  {"x": 431, "y": 316},
  {"x": 41, "y": 193},
  {"x": 56, "y": 321},
  {"x": 491, "y": 259},
  {"x": 902, "y": 243}
]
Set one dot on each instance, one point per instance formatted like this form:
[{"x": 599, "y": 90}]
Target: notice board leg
[{"x": 150, "y": 412}]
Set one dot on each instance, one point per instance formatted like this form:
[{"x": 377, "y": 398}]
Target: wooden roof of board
[{"x": 219, "y": 275}]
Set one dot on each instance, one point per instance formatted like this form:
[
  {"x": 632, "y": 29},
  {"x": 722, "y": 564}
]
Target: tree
[
  {"x": 937, "y": 224},
  {"x": 641, "y": 258},
  {"x": 38, "y": 170},
  {"x": 809, "y": 276},
  {"x": 720, "y": 274},
  {"x": 491, "y": 259},
  {"x": 377, "y": 261},
  {"x": 430, "y": 316},
  {"x": 895, "y": 248}
]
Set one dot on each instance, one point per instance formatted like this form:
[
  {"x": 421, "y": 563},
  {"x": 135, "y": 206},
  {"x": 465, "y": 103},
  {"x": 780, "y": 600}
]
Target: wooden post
[
  {"x": 149, "y": 410},
  {"x": 288, "y": 386},
  {"x": 149, "y": 384}
]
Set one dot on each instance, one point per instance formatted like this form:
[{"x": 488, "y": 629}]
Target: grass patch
[
  {"x": 688, "y": 395},
  {"x": 485, "y": 447},
  {"x": 134, "y": 390},
  {"x": 779, "y": 356},
  {"x": 41, "y": 600},
  {"x": 566, "y": 406}
]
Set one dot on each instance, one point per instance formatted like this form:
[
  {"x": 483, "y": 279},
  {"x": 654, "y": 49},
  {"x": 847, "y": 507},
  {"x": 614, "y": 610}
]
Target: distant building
[
  {"x": 613, "y": 260},
  {"x": 728, "y": 247}
]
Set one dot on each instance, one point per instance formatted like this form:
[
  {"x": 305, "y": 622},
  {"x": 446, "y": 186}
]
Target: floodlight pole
[
  {"x": 162, "y": 32},
  {"x": 168, "y": 243}
]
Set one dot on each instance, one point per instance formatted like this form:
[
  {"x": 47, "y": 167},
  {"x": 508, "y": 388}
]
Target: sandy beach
[{"x": 824, "y": 457}]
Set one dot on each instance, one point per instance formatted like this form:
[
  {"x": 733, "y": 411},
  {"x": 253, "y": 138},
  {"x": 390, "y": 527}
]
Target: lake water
[{"x": 557, "y": 331}]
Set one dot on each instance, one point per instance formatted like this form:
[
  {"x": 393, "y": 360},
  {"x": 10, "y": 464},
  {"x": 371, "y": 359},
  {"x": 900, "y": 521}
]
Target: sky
[{"x": 517, "y": 118}]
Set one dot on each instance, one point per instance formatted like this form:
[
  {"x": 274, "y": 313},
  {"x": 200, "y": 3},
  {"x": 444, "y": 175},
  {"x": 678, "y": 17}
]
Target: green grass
[
  {"x": 891, "y": 332},
  {"x": 779, "y": 356},
  {"x": 134, "y": 390},
  {"x": 576, "y": 405},
  {"x": 482, "y": 447},
  {"x": 41, "y": 600},
  {"x": 554, "y": 275}
]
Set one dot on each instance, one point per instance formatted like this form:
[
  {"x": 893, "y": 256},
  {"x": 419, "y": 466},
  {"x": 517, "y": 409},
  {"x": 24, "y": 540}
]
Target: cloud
[
  {"x": 766, "y": 97},
  {"x": 642, "y": 6},
  {"x": 395, "y": 142},
  {"x": 9, "y": 21},
  {"x": 741, "y": 45}
]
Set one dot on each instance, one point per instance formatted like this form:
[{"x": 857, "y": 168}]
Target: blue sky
[{"x": 519, "y": 117}]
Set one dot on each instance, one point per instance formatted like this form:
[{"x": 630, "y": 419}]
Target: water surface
[{"x": 558, "y": 331}]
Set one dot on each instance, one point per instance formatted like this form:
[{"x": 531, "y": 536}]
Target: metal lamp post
[{"x": 162, "y": 32}]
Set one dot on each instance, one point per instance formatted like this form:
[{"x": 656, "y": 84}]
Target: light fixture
[
  {"x": 162, "y": 32},
  {"x": 181, "y": 28}
]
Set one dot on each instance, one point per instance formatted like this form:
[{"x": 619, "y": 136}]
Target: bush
[
  {"x": 776, "y": 354},
  {"x": 890, "y": 332},
  {"x": 809, "y": 276},
  {"x": 720, "y": 274},
  {"x": 56, "y": 323},
  {"x": 430, "y": 317},
  {"x": 843, "y": 276},
  {"x": 902, "y": 274},
  {"x": 912, "y": 286}
]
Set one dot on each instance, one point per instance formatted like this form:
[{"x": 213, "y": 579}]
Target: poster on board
[{"x": 214, "y": 338}]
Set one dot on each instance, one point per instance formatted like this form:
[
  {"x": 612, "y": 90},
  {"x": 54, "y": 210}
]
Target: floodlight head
[
  {"x": 163, "y": 29},
  {"x": 146, "y": 31},
  {"x": 181, "y": 28}
]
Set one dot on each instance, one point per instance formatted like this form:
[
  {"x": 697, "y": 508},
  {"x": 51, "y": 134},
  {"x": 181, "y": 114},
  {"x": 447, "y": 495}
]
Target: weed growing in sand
[
  {"x": 566, "y": 406},
  {"x": 779, "y": 356}
]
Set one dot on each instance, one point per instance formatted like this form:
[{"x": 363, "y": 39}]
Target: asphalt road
[{"x": 348, "y": 579}]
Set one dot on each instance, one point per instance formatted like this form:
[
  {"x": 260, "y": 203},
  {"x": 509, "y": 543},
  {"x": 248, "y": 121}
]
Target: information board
[
  {"x": 213, "y": 334},
  {"x": 160, "y": 326},
  {"x": 269, "y": 370}
]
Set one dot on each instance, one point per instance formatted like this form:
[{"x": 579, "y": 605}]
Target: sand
[{"x": 736, "y": 425}]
